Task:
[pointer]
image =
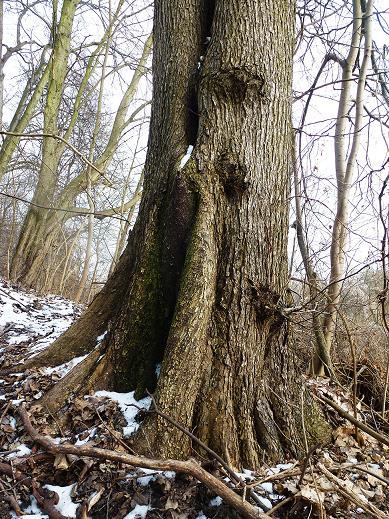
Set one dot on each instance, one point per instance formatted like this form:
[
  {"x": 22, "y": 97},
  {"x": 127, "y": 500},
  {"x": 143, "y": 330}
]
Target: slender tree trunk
[
  {"x": 32, "y": 241},
  {"x": 345, "y": 162},
  {"x": 89, "y": 193},
  {"x": 324, "y": 325},
  {"x": 206, "y": 278},
  {"x": 35, "y": 238}
]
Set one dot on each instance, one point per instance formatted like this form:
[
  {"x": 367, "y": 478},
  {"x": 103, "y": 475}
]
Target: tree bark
[{"x": 208, "y": 275}]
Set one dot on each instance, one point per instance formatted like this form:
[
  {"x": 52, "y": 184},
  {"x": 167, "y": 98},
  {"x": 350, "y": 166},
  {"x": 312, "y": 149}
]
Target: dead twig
[
  {"x": 190, "y": 467},
  {"x": 280, "y": 505},
  {"x": 382, "y": 438},
  {"x": 353, "y": 467},
  {"x": 16, "y": 474},
  {"x": 11, "y": 500},
  {"x": 113, "y": 434},
  {"x": 287, "y": 473},
  {"x": 350, "y": 495},
  {"x": 306, "y": 463}
]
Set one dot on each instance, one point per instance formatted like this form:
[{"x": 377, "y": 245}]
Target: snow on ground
[
  {"x": 62, "y": 369},
  {"x": 28, "y": 317},
  {"x": 128, "y": 406},
  {"x": 29, "y": 323},
  {"x": 65, "y": 505},
  {"x": 139, "y": 512}
]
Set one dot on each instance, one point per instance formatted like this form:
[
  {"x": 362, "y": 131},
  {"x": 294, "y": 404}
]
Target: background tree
[
  {"x": 350, "y": 129},
  {"x": 60, "y": 192}
]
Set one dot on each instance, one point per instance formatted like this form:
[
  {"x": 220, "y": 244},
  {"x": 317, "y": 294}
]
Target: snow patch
[
  {"x": 151, "y": 475},
  {"x": 27, "y": 317},
  {"x": 91, "y": 434},
  {"x": 20, "y": 451},
  {"x": 216, "y": 501},
  {"x": 267, "y": 487},
  {"x": 65, "y": 504},
  {"x": 127, "y": 403},
  {"x": 139, "y": 512},
  {"x": 63, "y": 369},
  {"x": 101, "y": 337},
  {"x": 32, "y": 511},
  {"x": 186, "y": 157}
]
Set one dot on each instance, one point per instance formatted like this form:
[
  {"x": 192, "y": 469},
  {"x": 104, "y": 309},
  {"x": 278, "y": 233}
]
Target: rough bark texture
[{"x": 208, "y": 277}]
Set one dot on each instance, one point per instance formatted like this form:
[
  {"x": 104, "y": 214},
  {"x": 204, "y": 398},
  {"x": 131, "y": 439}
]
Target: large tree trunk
[{"x": 208, "y": 277}]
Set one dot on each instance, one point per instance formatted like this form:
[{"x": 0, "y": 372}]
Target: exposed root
[
  {"x": 68, "y": 346},
  {"x": 87, "y": 375},
  {"x": 80, "y": 338}
]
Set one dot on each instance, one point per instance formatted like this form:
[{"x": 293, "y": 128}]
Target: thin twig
[
  {"x": 280, "y": 505},
  {"x": 61, "y": 139},
  {"x": 112, "y": 433},
  {"x": 352, "y": 496},
  {"x": 383, "y": 438},
  {"x": 11, "y": 500}
]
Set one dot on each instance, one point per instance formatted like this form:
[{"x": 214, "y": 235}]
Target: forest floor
[{"x": 345, "y": 480}]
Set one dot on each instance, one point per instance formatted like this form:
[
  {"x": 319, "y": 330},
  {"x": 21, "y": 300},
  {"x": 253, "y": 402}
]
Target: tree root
[
  {"x": 80, "y": 338},
  {"x": 87, "y": 375},
  {"x": 190, "y": 467}
]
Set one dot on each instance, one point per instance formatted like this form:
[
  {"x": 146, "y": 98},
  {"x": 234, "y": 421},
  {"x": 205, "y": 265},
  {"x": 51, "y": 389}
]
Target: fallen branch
[
  {"x": 352, "y": 496},
  {"x": 382, "y": 438},
  {"x": 190, "y": 467}
]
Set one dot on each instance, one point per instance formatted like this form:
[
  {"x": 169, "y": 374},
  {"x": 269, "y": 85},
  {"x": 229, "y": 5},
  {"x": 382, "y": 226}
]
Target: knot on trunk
[
  {"x": 232, "y": 175},
  {"x": 266, "y": 302},
  {"x": 236, "y": 84}
]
